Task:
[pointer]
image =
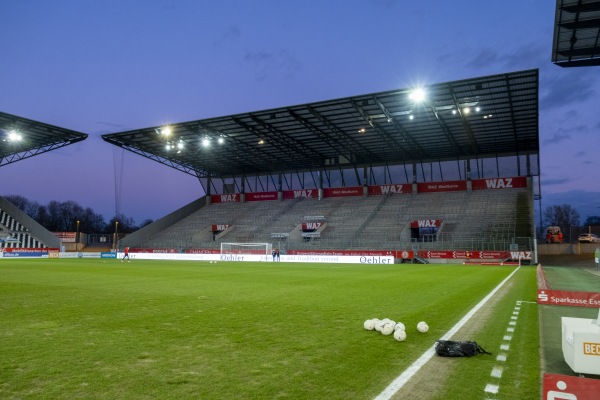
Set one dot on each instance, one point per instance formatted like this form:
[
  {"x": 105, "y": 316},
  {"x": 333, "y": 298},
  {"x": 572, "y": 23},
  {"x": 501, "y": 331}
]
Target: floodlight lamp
[
  {"x": 477, "y": 109},
  {"x": 168, "y": 146},
  {"x": 205, "y": 142},
  {"x": 166, "y": 131},
  {"x": 418, "y": 95},
  {"x": 466, "y": 110},
  {"x": 261, "y": 141},
  {"x": 411, "y": 117},
  {"x": 453, "y": 112},
  {"x": 362, "y": 130},
  {"x": 180, "y": 145},
  {"x": 14, "y": 136},
  {"x": 221, "y": 140}
]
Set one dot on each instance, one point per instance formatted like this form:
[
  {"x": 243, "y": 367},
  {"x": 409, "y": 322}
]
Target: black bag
[{"x": 451, "y": 348}]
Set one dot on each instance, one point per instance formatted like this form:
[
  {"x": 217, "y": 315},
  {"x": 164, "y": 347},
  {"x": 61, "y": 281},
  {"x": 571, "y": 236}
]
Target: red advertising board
[
  {"x": 219, "y": 228},
  {"x": 570, "y": 387},
  {"x": 568, "y": 298},
  {"x": 301, "y": 194},
  {"x": 30, "y": 249},
  {"x": 261, "y": 196},
  {"x": 343, "y": 192},
  {"x": 499, "y": 183},
  {"x": 225, "y": 198},
  {"x": 449, "y": 186},
  {"x": 426, "y": 223},
  {"x": 462, "y": 254},
  {"x": 311, "y": 226},
  {"x": 377, "y": 190}
]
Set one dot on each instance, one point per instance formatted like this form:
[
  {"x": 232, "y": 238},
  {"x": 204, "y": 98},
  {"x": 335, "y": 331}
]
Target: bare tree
[{"x": 563, "y": 216}]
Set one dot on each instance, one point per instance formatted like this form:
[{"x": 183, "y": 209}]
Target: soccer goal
[{"x": 263, "y": 249}]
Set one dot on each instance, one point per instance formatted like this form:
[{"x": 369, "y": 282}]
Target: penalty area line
[{"x": 405, "y": 376}]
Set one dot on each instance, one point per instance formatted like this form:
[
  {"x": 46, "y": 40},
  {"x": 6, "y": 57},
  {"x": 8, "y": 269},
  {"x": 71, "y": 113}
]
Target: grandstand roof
[
  {"x": 473, "y": 118},
  {"x": 22, "y": 138},
  {"x": 576, "y": 33}
]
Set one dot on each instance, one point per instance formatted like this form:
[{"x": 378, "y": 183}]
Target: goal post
[{"x": 263, "y": 249}]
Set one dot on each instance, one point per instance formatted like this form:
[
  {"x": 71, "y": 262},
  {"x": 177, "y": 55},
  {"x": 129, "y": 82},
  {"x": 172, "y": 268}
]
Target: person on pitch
[{"x": 126, "y": 254}]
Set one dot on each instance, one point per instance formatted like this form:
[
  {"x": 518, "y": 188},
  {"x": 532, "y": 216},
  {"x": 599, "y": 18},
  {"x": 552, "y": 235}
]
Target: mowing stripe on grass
[{"x": 405, "y": 376}]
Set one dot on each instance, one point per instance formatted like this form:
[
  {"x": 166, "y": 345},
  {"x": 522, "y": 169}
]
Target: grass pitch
[{"x": 98, "y": 329}]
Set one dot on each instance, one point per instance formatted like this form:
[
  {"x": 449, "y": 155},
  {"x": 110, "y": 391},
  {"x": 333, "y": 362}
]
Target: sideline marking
[{"x": 405, "y": 376}]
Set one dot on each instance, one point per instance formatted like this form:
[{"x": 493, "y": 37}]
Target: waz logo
[
  {"x": 499, "y": 183},
  {"x": 300, "y": 194},
  {"x": 313, "y": 225},
  {"x": 226, "y": 198},
  {"x": 427, "y": 223},
  {"x": 522, "y": 255},
  {"x": 385, "y": 189}
]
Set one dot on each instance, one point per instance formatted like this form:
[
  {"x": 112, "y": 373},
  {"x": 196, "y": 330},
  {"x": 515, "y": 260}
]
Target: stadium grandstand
[
  {"x": 449, "y": 170},
  {"x": 22, "y": 138}
]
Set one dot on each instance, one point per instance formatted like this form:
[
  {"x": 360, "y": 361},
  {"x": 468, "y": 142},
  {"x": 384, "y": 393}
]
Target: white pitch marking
[
  {"x": 496, "y": 372},
  {"x": 404, "y": 377},
  {"x": 501, "y": 357},
  {"x": 512, "y": 323},
  {"x": 513, "y": 317},
  {"x": 510, "y": 329},
  {"x": 515, "y": 313},
  {"x": 504, "y": 347},
  {"x": 491, "y": 388},
  {"x": 507, "y": 337}
]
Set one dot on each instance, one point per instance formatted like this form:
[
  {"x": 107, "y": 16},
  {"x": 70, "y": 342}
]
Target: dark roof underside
[
  {"x": 576, "y": 33},
  {"x": 480, "y": 117},
  {"x": 36, "y": 138}
]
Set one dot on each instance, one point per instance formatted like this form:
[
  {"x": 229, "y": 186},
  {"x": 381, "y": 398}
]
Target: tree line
[
  {"x": 57, "y": 216},
  {"x": 567, "y": 219}
]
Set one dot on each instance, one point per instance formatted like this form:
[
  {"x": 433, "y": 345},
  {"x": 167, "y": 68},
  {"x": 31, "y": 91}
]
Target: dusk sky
[{"x": 100, "y": 67}]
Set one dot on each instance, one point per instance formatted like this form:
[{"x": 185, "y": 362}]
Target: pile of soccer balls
[{"x": 387, "y": 327}]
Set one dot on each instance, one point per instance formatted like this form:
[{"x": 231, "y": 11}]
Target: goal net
[{"x": 247, "y": 248}]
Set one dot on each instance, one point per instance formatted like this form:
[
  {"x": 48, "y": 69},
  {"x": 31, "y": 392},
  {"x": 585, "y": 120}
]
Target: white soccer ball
[
  {"x": 399, "y": 326},
  {"x": 369, "y": 325},
  {"x": 379, "y": 325},
  {"x": 422, "y": 327},
  {"x": 400, "y": 335},
  {"x": 387, "y": 329}
]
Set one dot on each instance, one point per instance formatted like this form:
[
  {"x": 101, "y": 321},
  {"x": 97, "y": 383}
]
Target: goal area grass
[{"x": 98, "y": 329}]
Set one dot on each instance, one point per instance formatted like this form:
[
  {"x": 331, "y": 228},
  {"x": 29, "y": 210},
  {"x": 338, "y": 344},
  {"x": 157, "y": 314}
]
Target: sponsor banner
[
  {"x": 136, "y": 250},
  {"x": 225, "y": 198},
  {"x": 521, "y": 255},
  {"x": 30, "y": 249},
  {"x": 323, "y": 258},
  {"x": 314, "y": 217},
  {"x": 342, "y": 252},
  {"x": 460, "y": 254},
  {"x": 377, "y": 190},
  {"x": 301, "y": 194},
  {"x": 203, "y": 251},
  {"x": 24, "y": 254},
  {"x": 261, "y": 196},
  {"x": 426, "y": 223},
  {"x": 449, "y": 186},
  {"x": 311, "y": 226},
  {"x": 568, "y": 298},
  {"x": 499, "y": 183},
  {"x": 65, "y": 237},
  {"x": 108, "y": 254},
  {"x": 343, "y": 192},
  {"x": 570, "y": 387},
  {"x": 311, "y": 234},
  {"x": 219, "y": 228},
  {"x": 79, "y": 255}
]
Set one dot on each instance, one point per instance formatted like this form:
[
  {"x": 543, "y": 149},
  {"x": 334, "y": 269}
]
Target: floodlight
[
  {"x": 418, "y": 95},
  {"x": 166, "y": 131},
  {"x": 205, "y": 142},
  {"x": 221, "y": 140},
  {"x": 180, "y": 145},
  {"x": 13, "y": 136},
  {"x": 411, "y": 117}
]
